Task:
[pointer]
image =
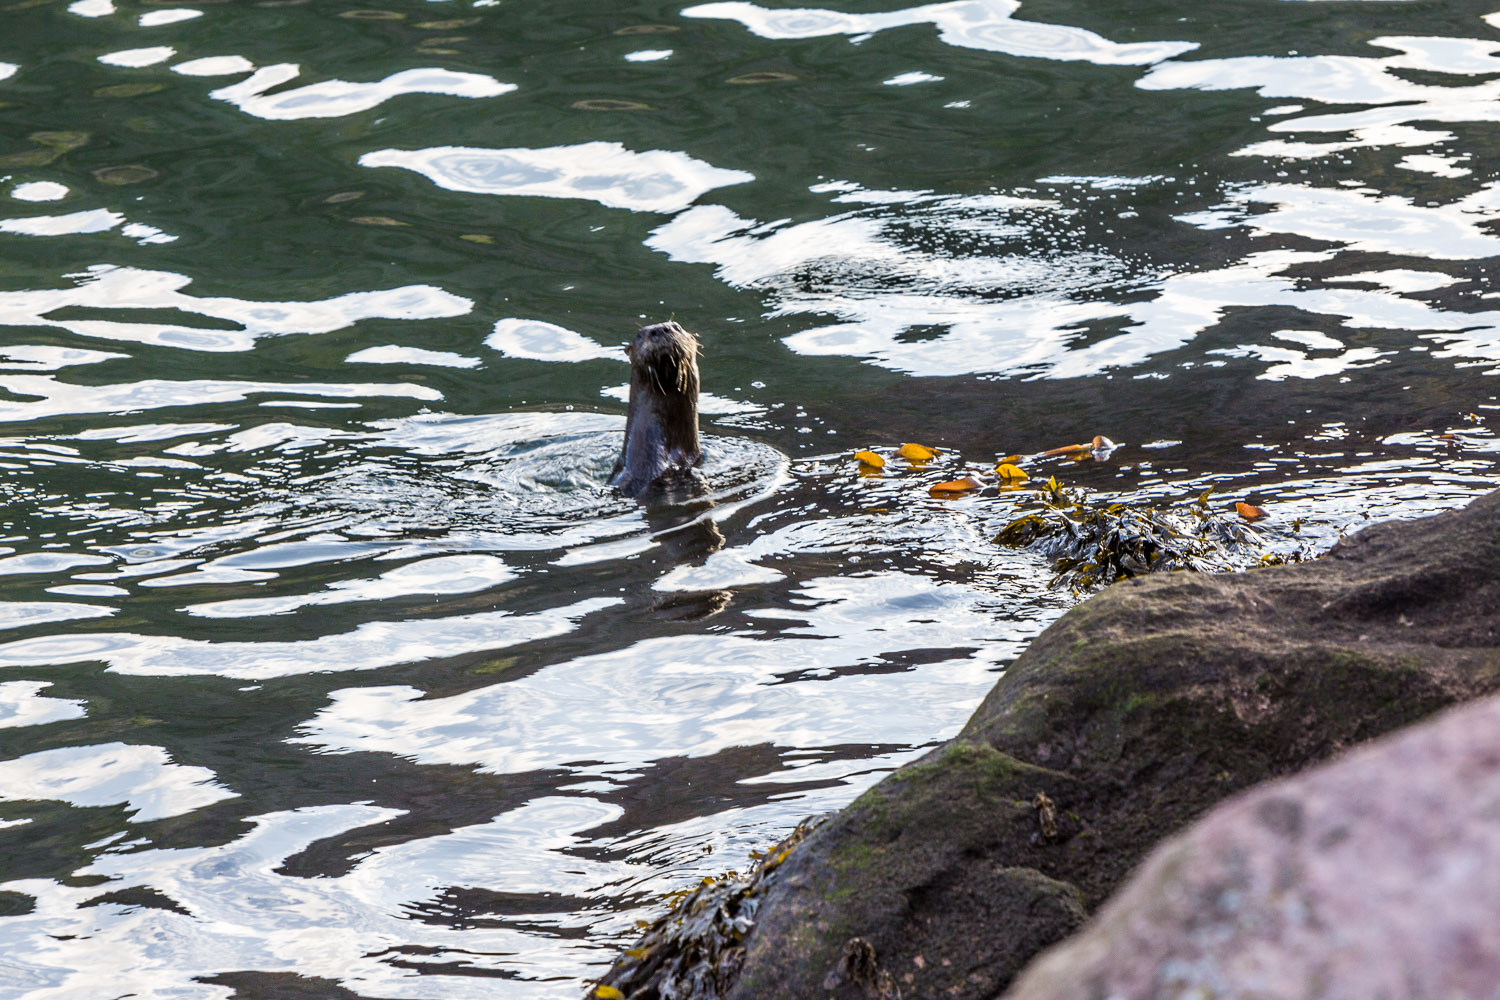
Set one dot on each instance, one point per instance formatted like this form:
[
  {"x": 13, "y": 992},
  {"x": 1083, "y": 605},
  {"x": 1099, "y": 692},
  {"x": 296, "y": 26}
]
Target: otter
[{"x": 661, "y": 421}]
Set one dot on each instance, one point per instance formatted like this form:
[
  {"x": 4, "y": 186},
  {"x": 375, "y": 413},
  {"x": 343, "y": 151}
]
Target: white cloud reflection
[
  {"x": 236, "y": 909},
  {"x": 657, "y": 180},
  {"x": 692, "y": 695},
  {"x": 970, "y": 24},
  {"x": 122, "y": 289},
  {"x": 19, "y": 614},
  {"x": 395, "y": 354},
  {"x": 538, "y": 340},
  {"x": 96, "y": 220},
  {"x": 39, "y": 191},
  {"x": 157, "y": 18},
  {"x": 367, "y": 647},
  {"x": 336, "y": 98},
  {"x": 214, "y": 66},
  {"x": 1023, "y": 313},
  {"x": 141, "y": 778},
  {"x": 442, "y": 575},
  {"x": 1396, "y": 111},
  {"x": 139, "y": 57},
  {"x": 21, "y": 704},
  {"x": 51, "y": 397}
]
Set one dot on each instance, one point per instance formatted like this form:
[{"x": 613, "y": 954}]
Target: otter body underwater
[{"x": 661, "y": 422}]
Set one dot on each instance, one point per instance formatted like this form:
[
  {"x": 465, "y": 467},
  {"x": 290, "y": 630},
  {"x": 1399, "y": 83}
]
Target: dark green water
[{"x": 330, "y": 664}]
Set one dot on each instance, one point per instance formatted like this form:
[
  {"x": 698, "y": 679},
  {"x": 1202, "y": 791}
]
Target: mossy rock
[{"x": 1132, "y": 715}]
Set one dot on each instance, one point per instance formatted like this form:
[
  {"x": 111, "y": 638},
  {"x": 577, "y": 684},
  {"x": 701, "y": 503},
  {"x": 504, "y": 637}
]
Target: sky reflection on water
[{"x": 328, "y": 652}]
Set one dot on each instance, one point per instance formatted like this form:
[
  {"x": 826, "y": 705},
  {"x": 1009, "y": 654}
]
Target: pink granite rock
[{"x": 1374, "y": 876}]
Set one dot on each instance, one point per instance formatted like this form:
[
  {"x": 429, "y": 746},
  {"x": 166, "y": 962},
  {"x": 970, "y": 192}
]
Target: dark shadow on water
[
  {"x": 280, "y": 986},
  {"x": 675, "y": 790}
]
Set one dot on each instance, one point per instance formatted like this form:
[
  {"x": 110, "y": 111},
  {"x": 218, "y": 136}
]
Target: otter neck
[
  {"x": 661, "y": 429},
  {"x": 661, "y": 432}
]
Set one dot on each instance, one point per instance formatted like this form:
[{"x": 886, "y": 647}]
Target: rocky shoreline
[{"x": 1133, "y": 715}]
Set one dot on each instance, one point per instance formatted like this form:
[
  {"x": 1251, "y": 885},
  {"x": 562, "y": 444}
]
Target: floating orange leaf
[
  {"x": 869, "y": 458},
  {"x": 1102, "y": 443},
  {"x": 1067, "y": 449},
  {"x": 1249, "y": 511},
  {"x": 916, "y": 452},
  {"x": 1008, "y": 460},
  {"x": 955, "y": 487},
  {"x": 608, "y": 993},
  {"x": 1006, "y": 470}
]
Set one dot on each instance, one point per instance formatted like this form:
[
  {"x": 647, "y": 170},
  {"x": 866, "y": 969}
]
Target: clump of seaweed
[
  {"x": 694, "y": 951},
  {"x": 1093, "y": 544}
]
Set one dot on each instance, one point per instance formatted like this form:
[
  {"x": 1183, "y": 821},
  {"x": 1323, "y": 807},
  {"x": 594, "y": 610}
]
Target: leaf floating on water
[
  {"x": 916, "y": 452},
  {"x": 1067, "y": 449},
  {"x": 956, "y": 487},
  {"x": 1007, "y": 471},
  {"x": 1101, "y": 443},
  {"x": 1249, "y": 511},
  {"x": 608, "y": 993},
  {"x": 869, "y": 458}
]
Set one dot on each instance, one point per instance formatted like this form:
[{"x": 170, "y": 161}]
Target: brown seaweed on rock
[
  {"x": 1092, "y": 544},
  {"x": 695, "y": 949}
]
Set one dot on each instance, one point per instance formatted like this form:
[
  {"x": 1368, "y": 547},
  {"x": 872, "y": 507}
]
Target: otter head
[{"x": 661, "y": 423}]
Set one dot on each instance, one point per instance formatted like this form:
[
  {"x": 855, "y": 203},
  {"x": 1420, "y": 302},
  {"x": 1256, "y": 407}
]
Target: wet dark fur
[{"x": 661, "y": 425}]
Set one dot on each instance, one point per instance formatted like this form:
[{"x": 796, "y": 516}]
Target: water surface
[{"x": 328, "y": 661}]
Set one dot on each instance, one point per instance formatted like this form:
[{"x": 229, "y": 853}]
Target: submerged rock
[
  {"x": 1123, "y": 722},
  {"x": 1371, "y": 876}
]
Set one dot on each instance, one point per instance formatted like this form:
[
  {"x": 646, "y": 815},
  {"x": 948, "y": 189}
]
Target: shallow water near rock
[{"x": 328, "y": 661}]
